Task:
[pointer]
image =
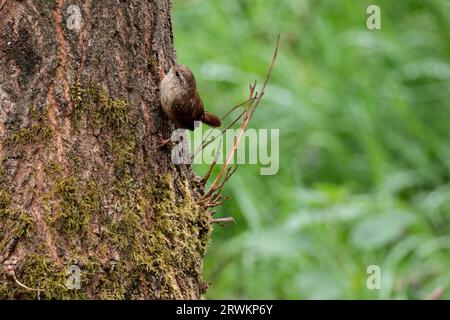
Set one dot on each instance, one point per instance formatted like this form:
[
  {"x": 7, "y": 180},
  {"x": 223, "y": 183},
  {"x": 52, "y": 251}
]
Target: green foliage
[{"x": 364, "y": 145}]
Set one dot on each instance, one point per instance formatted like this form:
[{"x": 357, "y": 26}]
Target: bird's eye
[{"x": 177, "y": 73}]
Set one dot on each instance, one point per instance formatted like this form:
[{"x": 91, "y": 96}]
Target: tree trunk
[{"x": 83, "y": 185}]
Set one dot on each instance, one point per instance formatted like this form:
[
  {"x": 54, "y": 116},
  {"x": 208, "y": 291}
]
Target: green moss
[
  {"x": 160, "y": 235},
  {"x": 123, "y": 151},
  {"x": 158, "y": 238},
  {"x": 74, "y": 201},
  {"x": 74, "y": 206},
  {"x": 13, "y": 223},
  {"x": 24, "y": 221},
  {"x": 38, "y": 132},
  {"x": 2, "y": 173},
  {"x": 53, "y": 169},
  {"x": 5, "y": 199},
  {"x": 70, "y": 215},
  {"x": 30, "y": 135},
  {"x": 104, "y": 114},
  {"x": 100, "y": 110},
  {"x": 159, "y": 232},
  {"x": 38, "y": 271}
]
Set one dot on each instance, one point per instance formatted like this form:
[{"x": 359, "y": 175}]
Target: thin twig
[
  {"x": 224, "y": 220},
  {"x": 247, "y": 116},
  {"x": 235, "y": 107},
  {"x": 235, "y": 144},
  {"x": 208, "y": 174},
  {"x": 26, "y": 287},
  {"x": 204, "y": 144},
  {"x": 230, "y": 172},
  {"x": 217, "y": 203},
  {"x": 210, "y": 199}
]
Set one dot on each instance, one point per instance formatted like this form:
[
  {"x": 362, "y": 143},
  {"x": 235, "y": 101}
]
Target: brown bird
[{"x": 180, "y": 99}]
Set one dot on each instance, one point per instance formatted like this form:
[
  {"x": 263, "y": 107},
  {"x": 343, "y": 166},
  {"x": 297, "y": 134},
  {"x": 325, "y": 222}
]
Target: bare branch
[{"x": 224, "y": 220}]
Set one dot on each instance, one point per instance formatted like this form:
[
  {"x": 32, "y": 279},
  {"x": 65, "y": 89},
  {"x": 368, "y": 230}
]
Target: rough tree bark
[{"x": 82, "y": 181}]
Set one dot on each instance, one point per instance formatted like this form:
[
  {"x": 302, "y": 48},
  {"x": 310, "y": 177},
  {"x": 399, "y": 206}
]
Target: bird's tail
[{"x": 210, "y": 119}]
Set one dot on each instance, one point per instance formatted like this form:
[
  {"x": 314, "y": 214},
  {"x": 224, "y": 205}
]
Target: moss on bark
[{"x": 133, "y": 229}]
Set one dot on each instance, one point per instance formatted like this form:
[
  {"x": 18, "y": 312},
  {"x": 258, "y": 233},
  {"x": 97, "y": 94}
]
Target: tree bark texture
[{"x": 83, "y": 183}]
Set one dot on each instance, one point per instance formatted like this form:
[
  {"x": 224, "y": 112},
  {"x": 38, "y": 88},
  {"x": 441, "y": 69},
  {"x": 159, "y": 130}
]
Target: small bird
[{"x": 180, "y": 99}]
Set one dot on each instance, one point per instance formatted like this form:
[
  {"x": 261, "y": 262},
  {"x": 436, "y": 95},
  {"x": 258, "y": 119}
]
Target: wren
[{"x": 180, "y": 99}]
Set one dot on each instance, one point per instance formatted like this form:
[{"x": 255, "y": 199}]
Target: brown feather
[{"x": 211, "y": 120}]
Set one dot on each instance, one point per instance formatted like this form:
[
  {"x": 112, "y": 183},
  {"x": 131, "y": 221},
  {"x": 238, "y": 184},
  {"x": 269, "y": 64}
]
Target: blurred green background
[{"x": 364, "y": 119}]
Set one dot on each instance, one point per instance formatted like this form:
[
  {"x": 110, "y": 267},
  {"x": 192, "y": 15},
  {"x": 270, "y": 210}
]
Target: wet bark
[{"x": 83, "y": 184}]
